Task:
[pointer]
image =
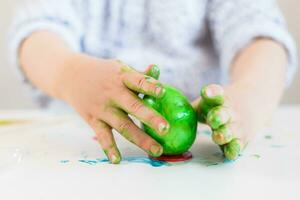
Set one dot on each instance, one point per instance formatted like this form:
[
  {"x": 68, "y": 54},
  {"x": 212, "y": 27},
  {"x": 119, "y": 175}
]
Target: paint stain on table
[
  {"x": 277, "y": 146},
  {"x": 268, "y": 137},
  {"x": 256, "y": 156},
  {"x": 10, "y": 122},
  {"x": 212, "y": 160},
  {"x": 64, "y": 161},
  {"x": 89, "y": 162},
  {"x": 143, "y": 160}
]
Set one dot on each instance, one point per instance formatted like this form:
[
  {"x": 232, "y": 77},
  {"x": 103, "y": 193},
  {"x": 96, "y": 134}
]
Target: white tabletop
[{"x": 54, "y": 157}]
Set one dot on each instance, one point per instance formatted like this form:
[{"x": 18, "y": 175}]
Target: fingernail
[
  {"x": 160, "y": 91},
  {"x": 224, "y": 116},
  {"x": 115, "y": 159},
  {"x": 156, "y": 150},
  {"x": 163, "y": 128},
  {"x": 155, "y": 72},
  {"x": 213, "y": 90}
]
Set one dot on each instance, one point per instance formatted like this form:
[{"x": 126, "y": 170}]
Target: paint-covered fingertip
[
  {"x": 163, "y": 128},
  {"x": 115, "y": 159},
  {"x": 213, "y": 94},
  {"x": 153, "y": 71},
  {"x": 156, "y": 150},
  {"x": 233, "y": 149},
  {"x": 222, "y": 135},
  {"x": 160, "y": 91}
]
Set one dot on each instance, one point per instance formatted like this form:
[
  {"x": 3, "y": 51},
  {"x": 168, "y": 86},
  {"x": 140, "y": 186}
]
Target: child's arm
[
  {"x": 257, "y": 57},
  {"x": 102, "y": 91},
  {"x": 257, "y": 82}
]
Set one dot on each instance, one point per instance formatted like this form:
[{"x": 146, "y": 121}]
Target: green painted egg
[{"x": 177, "y": 110}]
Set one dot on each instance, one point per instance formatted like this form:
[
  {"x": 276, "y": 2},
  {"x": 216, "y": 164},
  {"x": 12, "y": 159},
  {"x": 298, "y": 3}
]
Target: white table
[{"x": 40, "y": 160}]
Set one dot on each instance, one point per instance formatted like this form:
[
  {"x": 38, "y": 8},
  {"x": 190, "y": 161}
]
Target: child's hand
[
  {"x": 104, "y": 92},
  {"x": 230, "y": 114}
]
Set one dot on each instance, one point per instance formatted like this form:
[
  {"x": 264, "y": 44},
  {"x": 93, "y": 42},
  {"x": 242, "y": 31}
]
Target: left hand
[{"x": 232, "y": 115}]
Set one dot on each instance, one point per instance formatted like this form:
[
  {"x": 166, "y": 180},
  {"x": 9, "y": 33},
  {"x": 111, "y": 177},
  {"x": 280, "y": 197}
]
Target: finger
[
  {"x": 151, "y": 102},
  {"x": 232, "y": 149},
  {"x": 143, "y": 84},
  {"x": 222, "y": 135},
  {"x": 153, "y": 71},
  {"x": 195, "y": 104},
  {"x": 217, "y": 117},
  {"x": 107, "y": 141},
  {"x": 152, "y": 87},
  {"x": 213, "y": 95},
  {"x": 200, "y": 109},
  {"x": 131, "y": 104},
  {"x": 125, "y": 126},
  {"x": 125, "y": 67}
]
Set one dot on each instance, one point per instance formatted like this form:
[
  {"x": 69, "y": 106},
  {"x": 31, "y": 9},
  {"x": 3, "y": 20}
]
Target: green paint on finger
[
  {"x": 115, "y": 159},
  {"x": 155, "y": 151},
  {"x": 203, "y": 110},
  {"x": 160, "y": 91},
  {"x": 154, "y": 71},
  {"x": 222, "y": 135},
  {"x": 217, "y": 117},
  {"x": 214, "y": 97},
  {"x": 232, "y": 149}
]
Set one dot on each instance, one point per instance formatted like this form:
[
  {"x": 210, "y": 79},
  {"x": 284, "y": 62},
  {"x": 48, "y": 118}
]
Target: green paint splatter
[
  {"x": 64, "y": 161},
  {"x": 268, "y": 137},
  {"x": 8, "y": 122},
  {"x": 277, "y": 146},
  {"x": 208, "y": 162},
  {"x": 256, "y": 156},
  {"x": 215, "y": 159}
]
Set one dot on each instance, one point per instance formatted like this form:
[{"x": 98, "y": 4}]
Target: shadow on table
[{"x": 207, "y": 154}]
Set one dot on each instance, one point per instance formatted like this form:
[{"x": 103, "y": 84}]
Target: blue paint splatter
[
  {"x": 228, "y": 161},
  {"x": 144, "y": 160},
  {"x": 207, "y": 132},
  {"x": 90, "y": 162}
]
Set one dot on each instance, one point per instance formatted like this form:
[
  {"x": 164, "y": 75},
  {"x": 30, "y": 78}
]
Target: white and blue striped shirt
[{"x": 192, "y": 41}]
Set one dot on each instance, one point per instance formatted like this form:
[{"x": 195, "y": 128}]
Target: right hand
[{"x": 104, "y": 93}]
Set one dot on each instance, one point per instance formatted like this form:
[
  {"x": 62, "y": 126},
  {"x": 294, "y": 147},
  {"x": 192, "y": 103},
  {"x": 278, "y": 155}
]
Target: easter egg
[{"x": 177, "y": 110}]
